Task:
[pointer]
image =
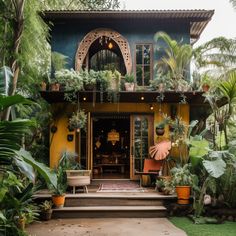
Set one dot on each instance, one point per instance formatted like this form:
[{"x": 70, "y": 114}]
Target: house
[{"x": 119, "y": 132}]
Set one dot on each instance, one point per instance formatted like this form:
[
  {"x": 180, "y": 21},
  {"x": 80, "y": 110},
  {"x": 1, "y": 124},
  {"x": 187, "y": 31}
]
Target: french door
[{"x": 141, "y": 138}]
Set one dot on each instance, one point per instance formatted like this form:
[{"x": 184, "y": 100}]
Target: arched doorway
[{"x": 107, "y": 46}]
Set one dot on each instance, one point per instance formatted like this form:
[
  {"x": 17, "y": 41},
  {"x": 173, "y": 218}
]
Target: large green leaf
[
  {"x": 198, "y": 149},
  {"x": 25, "y": 168},
  {"x": 11, "y": 133},
  {"x": 228, "y": 87},
  {"x": 215, "y": 168},
  {"x": 48, "y": 175},
  {"x": 6, "y": 102}
]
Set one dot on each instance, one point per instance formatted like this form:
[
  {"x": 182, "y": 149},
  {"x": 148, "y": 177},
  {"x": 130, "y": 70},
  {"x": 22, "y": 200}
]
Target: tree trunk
[{"x": 18, "y": 6}]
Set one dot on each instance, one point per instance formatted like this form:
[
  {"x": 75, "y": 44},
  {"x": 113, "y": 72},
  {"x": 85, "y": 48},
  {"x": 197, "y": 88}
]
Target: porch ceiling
[
  {"x": 198, "y": 19},
  {"x": 129, "y": 97}
]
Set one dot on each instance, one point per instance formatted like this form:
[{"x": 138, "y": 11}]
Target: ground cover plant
[{"x": 227, "y": 228}]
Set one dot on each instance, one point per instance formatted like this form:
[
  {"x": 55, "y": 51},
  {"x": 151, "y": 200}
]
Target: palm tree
[
  {"x": 216, "y": 56},
  {"x": 177, "y": 56}
]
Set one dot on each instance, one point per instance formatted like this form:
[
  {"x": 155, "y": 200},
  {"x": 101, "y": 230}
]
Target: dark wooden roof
[
  {"x": 129, "y": 97},
  {"x": 198, "y": 19}
]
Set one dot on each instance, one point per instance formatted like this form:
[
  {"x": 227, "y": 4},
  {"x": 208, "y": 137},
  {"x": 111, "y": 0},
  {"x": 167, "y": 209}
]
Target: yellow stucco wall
[{"x": 59, "y": 140}]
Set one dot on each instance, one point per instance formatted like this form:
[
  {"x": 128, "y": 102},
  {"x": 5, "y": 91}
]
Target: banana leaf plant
[{"x": 12, "y": 155}]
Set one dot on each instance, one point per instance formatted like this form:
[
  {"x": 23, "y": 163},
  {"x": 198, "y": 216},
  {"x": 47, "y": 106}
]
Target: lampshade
[{"x": 113, "y": 136}]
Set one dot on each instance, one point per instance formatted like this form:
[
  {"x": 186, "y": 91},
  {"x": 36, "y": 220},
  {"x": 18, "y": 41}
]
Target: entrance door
[{"x": 141, "y": 139}]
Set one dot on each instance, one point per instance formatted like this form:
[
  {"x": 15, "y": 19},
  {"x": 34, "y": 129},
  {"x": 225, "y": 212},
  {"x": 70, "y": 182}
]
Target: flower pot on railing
[
  {"x": 55, "y": 87},
  {"x": 43, "y": 86},
  {"x": 129, "y": 86}
]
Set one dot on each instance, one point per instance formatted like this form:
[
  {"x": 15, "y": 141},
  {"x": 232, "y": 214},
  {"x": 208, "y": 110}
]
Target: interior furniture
[
  {"x": 78, "y": 178},
  {"x": 150, "y": 167}
]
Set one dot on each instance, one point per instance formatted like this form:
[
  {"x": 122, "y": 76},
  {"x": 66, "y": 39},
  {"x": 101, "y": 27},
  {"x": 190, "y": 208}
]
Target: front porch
[{"x": 146, "y": 203}]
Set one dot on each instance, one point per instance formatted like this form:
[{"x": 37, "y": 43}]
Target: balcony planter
[
  {"x": 129, "y": 86},
  {"x": 55, "y": 87},
  {"x": 205, "y": 87},
  {"x": 43, "y": 86}
]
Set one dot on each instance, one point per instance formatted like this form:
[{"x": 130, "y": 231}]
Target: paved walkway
[{"x": 105, "y": 227}]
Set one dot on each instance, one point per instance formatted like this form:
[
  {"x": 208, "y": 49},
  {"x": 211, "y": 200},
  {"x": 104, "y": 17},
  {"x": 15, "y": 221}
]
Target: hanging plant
[{"x": 78, "y": 120}]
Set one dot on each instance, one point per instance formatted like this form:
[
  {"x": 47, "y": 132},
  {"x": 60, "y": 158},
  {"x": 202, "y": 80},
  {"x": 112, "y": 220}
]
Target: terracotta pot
[
  {"x": 161, "y": 87},
  {"x": 58, "y": 200},
  {"x": 160, "y": 131},
  {"x": 46, "y": 215},
  {"x": 129, "y": 86},
  {"x": 183, "y": 193},
  {"x": 43, "y": 86},
  {"x": 205, "y": 87},
  {"x": 55, "y": 87},
  {"x": 21, "y": 223}
]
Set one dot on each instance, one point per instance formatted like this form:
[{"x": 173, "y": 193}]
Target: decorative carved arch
[{"x": 93, "y": 36}]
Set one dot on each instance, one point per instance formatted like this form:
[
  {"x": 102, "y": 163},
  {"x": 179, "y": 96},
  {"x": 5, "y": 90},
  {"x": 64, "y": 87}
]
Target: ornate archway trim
[{"x": 92, "y": 36}]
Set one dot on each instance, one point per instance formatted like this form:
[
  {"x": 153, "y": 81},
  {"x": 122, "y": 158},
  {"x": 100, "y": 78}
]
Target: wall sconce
[
  {"x": 113, "y": 136},
  {"x": 142, "y": 98},
  {"x": 151, "y": 107}
]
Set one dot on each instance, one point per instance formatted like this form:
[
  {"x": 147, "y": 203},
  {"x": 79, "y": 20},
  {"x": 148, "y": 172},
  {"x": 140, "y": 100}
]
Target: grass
[{"x": 225, "y": 229}]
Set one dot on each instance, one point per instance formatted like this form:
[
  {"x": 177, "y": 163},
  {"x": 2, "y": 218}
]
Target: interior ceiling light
[
  {"x": 84, "y": 98},
  {"x": 110, "y": 45},
  {"x": 142, "y": 98},
  {"x": 113, "y": 136}
]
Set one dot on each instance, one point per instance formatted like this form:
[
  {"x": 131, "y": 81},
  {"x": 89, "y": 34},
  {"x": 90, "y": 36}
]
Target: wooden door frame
[{"x": 150, "y": 139}]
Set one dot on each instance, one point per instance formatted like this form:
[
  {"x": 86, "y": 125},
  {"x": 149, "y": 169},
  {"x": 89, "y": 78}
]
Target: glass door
[{"x": 141, "y": 139}]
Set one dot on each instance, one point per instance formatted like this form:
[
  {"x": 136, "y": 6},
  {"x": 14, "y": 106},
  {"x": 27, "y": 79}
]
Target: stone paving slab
[{"x": 105, "y": 227}]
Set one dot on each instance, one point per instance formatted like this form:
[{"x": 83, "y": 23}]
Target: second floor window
[{"x": 143, "y": 64}]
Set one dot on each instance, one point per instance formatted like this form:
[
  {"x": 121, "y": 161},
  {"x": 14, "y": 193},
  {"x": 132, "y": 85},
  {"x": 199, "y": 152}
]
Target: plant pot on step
[
  {"x": 58, "y": 200},
  {"x": 183, "y": 194},
  {"x": 46, "y": 215},
  {"x": 21, "y": 223}
]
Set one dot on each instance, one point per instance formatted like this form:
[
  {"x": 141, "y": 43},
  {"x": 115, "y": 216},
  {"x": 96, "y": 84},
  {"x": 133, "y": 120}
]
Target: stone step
[
  {"x": 110, "y": 212},
  {"x": 112, "y": 201}
]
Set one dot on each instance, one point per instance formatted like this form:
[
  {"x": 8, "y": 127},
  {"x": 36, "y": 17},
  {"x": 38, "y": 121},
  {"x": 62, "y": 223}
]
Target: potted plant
[
  {"x": 161, "y": 83},
  {"x": 46, "y": 210},
  {"x": 72, "y": 81},
  {"x": 206, "y": 82},
  {"x": 58, "y": 197},
  {"x": 77, "y": 121},
  {"x": 113, "y": 89},
  {"x": 183, "y": 180},
  {"x": 164, "y": 185},
  {"x": 176, "y": 58},
  {"x": 160, "y": 127},
  {"x": 89, "y": 79},
  {"x": 129, "y": 82},
  {"x": 74, "y": 173}
]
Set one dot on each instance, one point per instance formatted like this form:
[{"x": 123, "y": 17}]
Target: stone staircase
[{"x": 94, "y": 205}]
